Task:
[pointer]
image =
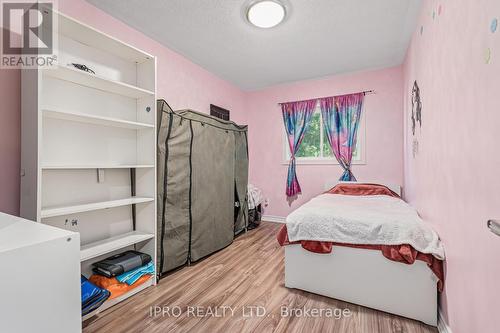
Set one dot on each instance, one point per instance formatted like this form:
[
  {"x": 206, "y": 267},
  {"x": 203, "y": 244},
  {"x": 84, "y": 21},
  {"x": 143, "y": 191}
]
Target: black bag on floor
[
  {"x": 254, "y": 217},
  {"x": 121, "y": 263}
]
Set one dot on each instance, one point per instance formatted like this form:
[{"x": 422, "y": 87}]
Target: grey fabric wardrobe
[{"x": 202, "y": 185}]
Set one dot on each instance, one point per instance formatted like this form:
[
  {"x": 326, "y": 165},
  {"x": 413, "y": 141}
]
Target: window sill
[{"x": 320, "y": 162}]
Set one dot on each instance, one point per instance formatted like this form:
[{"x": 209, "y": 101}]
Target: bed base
[{"x": 367, "y": 278}]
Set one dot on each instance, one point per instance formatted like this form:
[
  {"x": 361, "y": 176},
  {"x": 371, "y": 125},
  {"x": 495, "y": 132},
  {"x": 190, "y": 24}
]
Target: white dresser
[{"x": 39, "y": 278}]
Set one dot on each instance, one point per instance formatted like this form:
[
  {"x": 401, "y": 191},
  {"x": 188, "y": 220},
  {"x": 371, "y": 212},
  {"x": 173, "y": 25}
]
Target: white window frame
[{"x": 329, "y": 160}]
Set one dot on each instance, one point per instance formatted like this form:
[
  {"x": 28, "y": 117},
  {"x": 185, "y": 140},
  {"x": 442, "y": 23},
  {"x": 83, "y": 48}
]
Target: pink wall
[
  {"x": 384, "y": 130},
  {"x": 181, "y": 83},
  {"x": 10, "y": 140},
  {"x": 454, "y": 180}
]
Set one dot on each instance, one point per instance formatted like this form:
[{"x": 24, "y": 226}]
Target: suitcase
[{"x": 121, "y": 263}]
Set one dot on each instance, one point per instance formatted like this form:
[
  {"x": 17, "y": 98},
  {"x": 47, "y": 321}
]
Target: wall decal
[
  {"x": 416, "y": 116},
  {"x": 415, "y": 148},
  {"x": 494, "y": 25},
  {"x": 421, "y": 29},
  {"x": 488, "y": 53},
  {"x": 440, "y": 10},
  {"x": 487, "y": 56},
  {"x": 416, "y": 107}
]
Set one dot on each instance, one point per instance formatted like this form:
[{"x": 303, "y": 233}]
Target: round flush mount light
[{"x": 266, "y": 13}]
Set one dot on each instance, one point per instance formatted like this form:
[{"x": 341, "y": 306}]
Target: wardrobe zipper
[
  {"x": 190, "y": 190},
  {"x": 165, "y": 182}
]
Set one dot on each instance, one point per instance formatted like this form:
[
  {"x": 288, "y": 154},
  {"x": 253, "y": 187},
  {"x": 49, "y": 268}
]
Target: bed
[{"x": 353, "y": 268}]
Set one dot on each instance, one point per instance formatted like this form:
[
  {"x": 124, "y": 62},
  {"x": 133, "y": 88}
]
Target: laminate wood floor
[{"x": 248, "y": 278}]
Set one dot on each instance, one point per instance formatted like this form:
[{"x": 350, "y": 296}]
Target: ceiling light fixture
[{"x": 266, "y": 13}]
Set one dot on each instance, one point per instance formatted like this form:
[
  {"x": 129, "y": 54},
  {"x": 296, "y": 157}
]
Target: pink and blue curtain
[
  {"x": 296, "y": 116},
  {"x": 341, "y": 115}
]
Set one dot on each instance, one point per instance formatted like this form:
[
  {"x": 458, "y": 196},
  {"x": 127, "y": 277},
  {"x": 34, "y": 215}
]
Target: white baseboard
[
  {"x": 442, "y": 325},
  {"x": 273, "y": 218}
]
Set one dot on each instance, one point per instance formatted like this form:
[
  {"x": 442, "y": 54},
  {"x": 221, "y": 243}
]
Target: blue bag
[{"x": 92, "y": 296}]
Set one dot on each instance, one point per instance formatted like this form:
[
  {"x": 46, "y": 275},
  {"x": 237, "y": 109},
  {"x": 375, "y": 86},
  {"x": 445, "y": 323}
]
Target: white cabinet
[{"x": 40, "y": 278}]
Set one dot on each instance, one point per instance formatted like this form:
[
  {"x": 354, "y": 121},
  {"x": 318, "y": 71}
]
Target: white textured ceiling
[{"x": 318, "y": 38}]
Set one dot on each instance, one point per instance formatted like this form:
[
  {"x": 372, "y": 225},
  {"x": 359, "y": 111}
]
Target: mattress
[{"x": 362, "y": 219}]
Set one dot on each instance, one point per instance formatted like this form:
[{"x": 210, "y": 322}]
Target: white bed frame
[{"x": 365, "y": 277}]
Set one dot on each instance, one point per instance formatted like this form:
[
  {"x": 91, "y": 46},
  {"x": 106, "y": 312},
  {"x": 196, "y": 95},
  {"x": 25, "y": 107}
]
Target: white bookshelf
[
  {"x": 96, "y": 120},
  {"x": 67, "y": 210},
  {"x": 96, "y": 249},
  {"x": 84, "y": 138},
  {"x": 66, "y": 73},
  {"x": 95, "y": 166}
]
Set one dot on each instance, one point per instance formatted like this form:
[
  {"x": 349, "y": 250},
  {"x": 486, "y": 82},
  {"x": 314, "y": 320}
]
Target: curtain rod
[{"x": 366, "y": 92}]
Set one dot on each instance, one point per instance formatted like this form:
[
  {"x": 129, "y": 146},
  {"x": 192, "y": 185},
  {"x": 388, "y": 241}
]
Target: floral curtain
[
  {"x": 296, "y": 117},
  {"x": 341, "y": 115}
]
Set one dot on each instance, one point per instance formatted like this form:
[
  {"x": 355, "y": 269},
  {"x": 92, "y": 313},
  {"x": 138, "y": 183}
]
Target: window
[{"x": 315, "y": 148}]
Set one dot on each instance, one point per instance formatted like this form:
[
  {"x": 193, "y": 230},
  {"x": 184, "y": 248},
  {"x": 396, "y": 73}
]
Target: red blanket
[
  {"x": 401, "y": 253},
  {"x": 361, "y": 189}
]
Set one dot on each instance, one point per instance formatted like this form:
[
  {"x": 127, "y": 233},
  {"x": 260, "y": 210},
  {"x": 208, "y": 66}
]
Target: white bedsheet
[{"x": 374, "y": 220}]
